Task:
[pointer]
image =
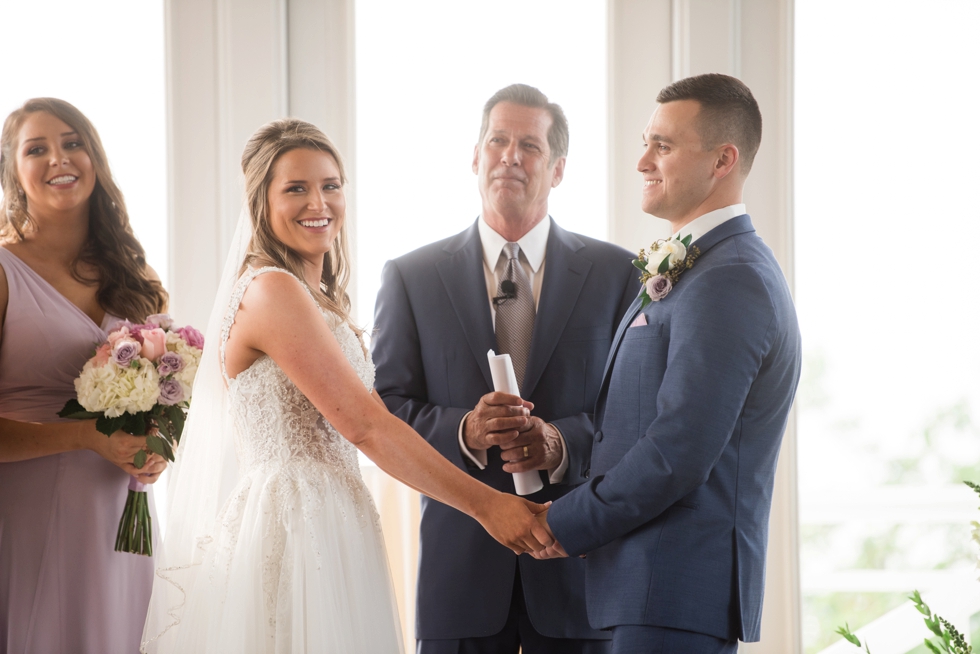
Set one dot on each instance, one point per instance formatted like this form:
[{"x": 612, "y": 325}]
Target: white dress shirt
[
  {"x": 704, "y": 224},
  {"x": 534, "y": 245}
]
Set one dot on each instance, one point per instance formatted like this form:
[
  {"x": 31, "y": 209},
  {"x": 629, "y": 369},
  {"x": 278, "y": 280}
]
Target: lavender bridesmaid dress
[{"x": 62, "y": 587}]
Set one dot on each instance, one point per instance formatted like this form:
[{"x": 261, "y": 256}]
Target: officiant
[{"x": 515, "y": 282}]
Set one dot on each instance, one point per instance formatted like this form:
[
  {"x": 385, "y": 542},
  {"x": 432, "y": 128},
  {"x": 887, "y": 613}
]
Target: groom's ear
[{"x": 726, "y": 160}]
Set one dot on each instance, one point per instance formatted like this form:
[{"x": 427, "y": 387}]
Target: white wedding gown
[{"x": 297, "y": 561}]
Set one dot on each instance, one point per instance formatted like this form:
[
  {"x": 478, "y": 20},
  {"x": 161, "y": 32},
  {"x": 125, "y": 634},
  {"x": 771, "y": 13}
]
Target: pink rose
[
  {"x": 102, "y": 354},
  {"x": 161, "y": 320},
  {"x": 119, "y": 331},
  {"x": 154, "y": 343},
  {"x": 191, "y": 336},
  {"x": 658, "y": 287}
]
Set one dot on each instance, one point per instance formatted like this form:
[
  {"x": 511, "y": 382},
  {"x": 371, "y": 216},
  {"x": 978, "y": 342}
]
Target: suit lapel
[
  {"x": 564, "y": 276},
  {"x": 737, "y": 225},
  {"x": 462, "y": 275},
  {"x": 618, "y": 338}
]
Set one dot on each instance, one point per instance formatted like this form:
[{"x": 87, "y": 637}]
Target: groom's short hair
[
  {"x": 528, "y": 96},
  {"x": 729, "y": 112}
]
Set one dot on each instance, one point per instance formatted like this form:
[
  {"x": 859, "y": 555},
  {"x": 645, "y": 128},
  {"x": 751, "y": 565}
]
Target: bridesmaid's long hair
[
  {"x": 111, "y": 249},
  {"x": 261, "y": 153}
]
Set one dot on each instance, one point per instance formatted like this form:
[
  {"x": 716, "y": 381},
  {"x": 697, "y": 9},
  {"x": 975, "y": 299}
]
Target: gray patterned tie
[{"x": 515, "y": 315}]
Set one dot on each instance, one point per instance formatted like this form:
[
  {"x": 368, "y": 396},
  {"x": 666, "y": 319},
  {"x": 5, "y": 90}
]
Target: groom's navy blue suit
[
  {"x": 689, "y": 421},
  {"x": 434, "y": 328}
]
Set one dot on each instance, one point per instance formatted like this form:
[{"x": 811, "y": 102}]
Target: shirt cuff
[
  {"x": 555, "y": 475},
  {"x": 479, "y": 458}
]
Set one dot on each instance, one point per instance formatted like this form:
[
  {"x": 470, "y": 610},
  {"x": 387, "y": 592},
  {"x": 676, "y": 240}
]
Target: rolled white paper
[{"x": 505, "y": 381}]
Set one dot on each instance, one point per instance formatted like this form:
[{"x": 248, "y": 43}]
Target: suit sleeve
[
  {"x": 400, "y": 372},
  {"x": 578, "y": 430},
  {"x": 719, "y": 337}
]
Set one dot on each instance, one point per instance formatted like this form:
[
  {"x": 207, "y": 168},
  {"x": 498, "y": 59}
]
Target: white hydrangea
[{"x": 116, "y": 390}]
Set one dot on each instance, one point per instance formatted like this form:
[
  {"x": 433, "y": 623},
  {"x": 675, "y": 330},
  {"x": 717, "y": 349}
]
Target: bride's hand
[{"x": 511, "y": 521}]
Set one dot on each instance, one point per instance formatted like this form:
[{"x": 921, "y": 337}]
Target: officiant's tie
[{"x": 515, "y": 312}]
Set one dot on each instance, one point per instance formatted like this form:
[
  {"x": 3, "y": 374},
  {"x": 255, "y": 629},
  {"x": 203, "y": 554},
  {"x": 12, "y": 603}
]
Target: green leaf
[
  {"x": 135, "y": 423},
  {"x": 176, "y": 415},
  {"x": 664, "y": 265},
  {"x": 74, "y": 410},
  {"x": 932, "y": 648},
  {"x": 155, "y": 444},
  {"x": 845, "y": 631},
  {"x": 110, "y": 426},
  {"x": 140, "y": 459},
  {"x": 686, "y": 241},
  {"x": 640, "y": 264},
  {"x": 168, "y": 452},
  {"x": 644, "y": 299},
  {"x": 164, "y": 426}
]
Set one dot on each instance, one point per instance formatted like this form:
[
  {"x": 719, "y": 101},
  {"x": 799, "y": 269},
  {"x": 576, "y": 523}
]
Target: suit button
[
  {"x": 598, "y": 436},
  {"x": 586, "y": 474}
]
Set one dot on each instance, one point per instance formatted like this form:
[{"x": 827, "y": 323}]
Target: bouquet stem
[{"x": 135, "y": 534}]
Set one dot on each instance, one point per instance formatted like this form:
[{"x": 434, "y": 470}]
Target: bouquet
[{"x": 139, "y": 381}]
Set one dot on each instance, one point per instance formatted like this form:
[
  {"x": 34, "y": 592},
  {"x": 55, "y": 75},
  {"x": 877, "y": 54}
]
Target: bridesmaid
[{"x": 69, "y": 267}]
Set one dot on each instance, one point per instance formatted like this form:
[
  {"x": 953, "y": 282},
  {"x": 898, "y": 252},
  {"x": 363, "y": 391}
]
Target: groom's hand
[
  {"x": 538, "y": 447},
  {"x": 496, "y": 420},
  {"x": 554, "y": 550}
]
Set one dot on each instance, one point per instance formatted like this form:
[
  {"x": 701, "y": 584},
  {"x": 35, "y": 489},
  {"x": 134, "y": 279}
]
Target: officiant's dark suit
[{"x": 434, "y": 325}]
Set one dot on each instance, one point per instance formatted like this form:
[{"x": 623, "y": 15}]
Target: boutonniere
[{"x": 662, "y": 268}]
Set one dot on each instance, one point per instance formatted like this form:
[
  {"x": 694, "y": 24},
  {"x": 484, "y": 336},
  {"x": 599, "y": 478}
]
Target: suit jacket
[
  {"x": 433, "y": 329},
  {"x": 689, "y": 421}
]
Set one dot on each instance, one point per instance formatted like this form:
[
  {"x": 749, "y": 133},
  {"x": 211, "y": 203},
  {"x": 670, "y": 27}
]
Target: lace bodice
[{"x": 276, "y": 425}]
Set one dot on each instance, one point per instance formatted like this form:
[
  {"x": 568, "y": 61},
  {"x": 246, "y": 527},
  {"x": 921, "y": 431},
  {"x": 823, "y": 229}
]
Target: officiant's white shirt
[{"x": 534, "y": 246}]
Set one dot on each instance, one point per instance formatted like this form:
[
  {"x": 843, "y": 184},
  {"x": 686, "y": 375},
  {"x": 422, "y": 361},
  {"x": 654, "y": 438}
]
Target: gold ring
[{"x": 526, "y": 455}]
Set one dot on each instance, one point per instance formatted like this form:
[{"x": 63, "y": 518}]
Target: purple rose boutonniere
[{"x": 662, "y": 267}]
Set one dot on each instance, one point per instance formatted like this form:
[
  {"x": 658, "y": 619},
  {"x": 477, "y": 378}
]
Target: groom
[
  {"x": 694, "y": 400},
  {"x": 439, "y": 310}
]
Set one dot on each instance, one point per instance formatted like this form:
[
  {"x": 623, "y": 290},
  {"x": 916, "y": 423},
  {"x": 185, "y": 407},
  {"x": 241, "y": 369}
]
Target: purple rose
[
  {"x": 191, "y": 336},
  {"x": 171, "y": 392},
  {"x": 125, "y": 352},
  {"x": 658, "y": 287},
  {"x": 169, "y": 363}
]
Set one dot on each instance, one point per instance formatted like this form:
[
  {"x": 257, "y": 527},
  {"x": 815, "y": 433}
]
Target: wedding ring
[{"x": 526, "y": 455}]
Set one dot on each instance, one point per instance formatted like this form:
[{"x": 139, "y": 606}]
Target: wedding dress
[{"x": 295, "y": 561}]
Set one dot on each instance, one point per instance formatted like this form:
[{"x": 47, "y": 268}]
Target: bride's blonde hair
[{"x": 261, "y": 153}]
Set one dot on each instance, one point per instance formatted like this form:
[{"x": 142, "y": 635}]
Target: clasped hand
[
  {"x": 120, "y": 448},
  {"x": 526, "y": 442}
]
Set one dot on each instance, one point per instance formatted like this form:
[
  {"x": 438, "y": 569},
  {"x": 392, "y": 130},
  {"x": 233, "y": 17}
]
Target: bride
[{"x": 273, "y": 542}]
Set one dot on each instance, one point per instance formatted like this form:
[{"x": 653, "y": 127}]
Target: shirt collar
[
  {"x": 533, "y": 244},
  {"x": 704, "y": 224}
]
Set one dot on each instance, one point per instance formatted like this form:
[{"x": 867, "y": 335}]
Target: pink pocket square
[{"x": 639, "y": 321}]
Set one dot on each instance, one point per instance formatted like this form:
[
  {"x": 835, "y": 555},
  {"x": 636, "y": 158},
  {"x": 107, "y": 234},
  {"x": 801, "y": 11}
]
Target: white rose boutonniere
[{"x": 662, "y": 267}]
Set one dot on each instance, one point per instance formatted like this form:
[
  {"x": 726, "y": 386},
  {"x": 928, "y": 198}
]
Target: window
[
  {"x": 107, "y": 60},
  {"x": 424, "y": 71},
  {"x": 886, "y": 229}
]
